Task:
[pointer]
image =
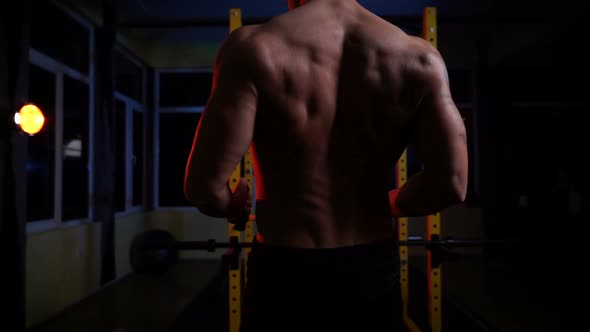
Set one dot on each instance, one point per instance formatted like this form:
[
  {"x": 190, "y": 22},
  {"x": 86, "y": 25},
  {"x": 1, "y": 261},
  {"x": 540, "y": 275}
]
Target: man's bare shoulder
[
  {"x": 424, "y": 61},
  {"x": 239, "y": 40},
  {"x": 245, "y": 47}
]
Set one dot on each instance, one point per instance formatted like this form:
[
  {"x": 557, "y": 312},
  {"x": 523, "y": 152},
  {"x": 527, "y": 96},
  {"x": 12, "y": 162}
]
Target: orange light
[{"x": 30, "y": 119}]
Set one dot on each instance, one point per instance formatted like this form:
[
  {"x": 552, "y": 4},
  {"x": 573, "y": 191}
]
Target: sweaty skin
[{"x": 329, "y": 95}]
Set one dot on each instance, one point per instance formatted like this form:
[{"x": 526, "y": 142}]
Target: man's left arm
[{"x": 223, "y": 134}]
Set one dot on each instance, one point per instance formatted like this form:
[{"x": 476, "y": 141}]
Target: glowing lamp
[{"x": 30, "y": 119}]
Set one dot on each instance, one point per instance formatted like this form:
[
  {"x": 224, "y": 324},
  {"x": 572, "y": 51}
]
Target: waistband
[{"x": 383, "y": 249}]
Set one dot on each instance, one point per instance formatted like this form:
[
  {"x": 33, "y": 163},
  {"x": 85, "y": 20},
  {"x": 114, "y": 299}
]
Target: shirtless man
[{"x": 329, "y": 95}]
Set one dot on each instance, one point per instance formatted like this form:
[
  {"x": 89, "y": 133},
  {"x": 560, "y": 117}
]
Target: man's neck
[
  {"x": 304, "y": 2},
  {"x": 300, "y": 3}
]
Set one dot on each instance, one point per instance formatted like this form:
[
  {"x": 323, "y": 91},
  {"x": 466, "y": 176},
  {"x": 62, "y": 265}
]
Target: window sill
[{"x": 36, "y": 227}]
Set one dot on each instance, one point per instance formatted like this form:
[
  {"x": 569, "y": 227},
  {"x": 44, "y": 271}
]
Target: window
[
  {"x": 175, "y": 141},
  {"x": 137, "y": 160},
  {"x": 181, "y": 96},
  {"x": 41, "y": 148},
  {"x": 129, "y": 131},
  {"x": 59, "y": 156},
  {"x": 128, "y": 76},
  {"x": 60, "y": 82},
  {"x": 129, "y": 165},
  {"x": 75, "y": 149},
  {"x": 182, "y": 89},
  {"x": 120, "y": 147},
  {"x": 60, "y": 36}
]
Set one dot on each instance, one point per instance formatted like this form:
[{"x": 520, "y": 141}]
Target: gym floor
[
  {"x": 193, "y": 294},
  {"x": 500, "y": 296},
  {"x": 137, "y": 302}
]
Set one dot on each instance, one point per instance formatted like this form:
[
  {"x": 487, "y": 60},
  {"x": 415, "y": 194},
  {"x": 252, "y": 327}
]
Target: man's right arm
[{"x": 439, "y": 140}]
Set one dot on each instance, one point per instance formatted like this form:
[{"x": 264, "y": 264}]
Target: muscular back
[
  {"x": 329, "y": 95},
  {"x": 334, "y": 115}
]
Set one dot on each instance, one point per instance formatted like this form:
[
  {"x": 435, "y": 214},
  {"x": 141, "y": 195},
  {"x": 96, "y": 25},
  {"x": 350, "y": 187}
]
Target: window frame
[
  {"x": 158, "y": 109},
  {"x": 60, "y": 69},
  {"x": 131, "y": 105}
]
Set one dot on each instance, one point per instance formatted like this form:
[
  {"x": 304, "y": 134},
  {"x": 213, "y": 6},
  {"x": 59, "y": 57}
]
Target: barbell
[{"x": 155, "y": 251}]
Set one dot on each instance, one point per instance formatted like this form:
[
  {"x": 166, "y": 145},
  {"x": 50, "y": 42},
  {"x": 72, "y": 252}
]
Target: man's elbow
[
  {"x": 458, "y": 187},
  {"x": 204, "y": 196},
  {"x": 457, "y": 177}
]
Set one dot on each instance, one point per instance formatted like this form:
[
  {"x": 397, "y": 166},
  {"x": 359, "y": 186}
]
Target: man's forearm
[
  {"x": 215, "y": 203},
  {"x": 423, "y": 194}
]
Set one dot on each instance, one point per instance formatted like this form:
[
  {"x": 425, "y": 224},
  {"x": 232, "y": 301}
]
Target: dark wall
[
  {"x": 14, "y": 43},
  {"x": 531, "y": 110}
]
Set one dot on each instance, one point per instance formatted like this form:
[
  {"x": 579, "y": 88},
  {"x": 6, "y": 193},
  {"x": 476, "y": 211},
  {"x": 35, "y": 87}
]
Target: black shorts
[{"x": 349, "y": 288}]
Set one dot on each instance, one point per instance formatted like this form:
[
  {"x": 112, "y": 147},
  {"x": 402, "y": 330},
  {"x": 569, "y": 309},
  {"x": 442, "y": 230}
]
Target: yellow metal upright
[
  {"x": 429, "y": 29},
  {"x": 249, "y": 230},
  {"x": 402, "y": 225},
  {"x": 235, "y": 273}
]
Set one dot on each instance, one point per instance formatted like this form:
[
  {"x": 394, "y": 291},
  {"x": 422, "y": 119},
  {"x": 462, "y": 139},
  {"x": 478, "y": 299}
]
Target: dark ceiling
[
  {"x": 165, "y": 31},
  {"x": 206, "y": 21},
  {"x": 264, "y": 8}
]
